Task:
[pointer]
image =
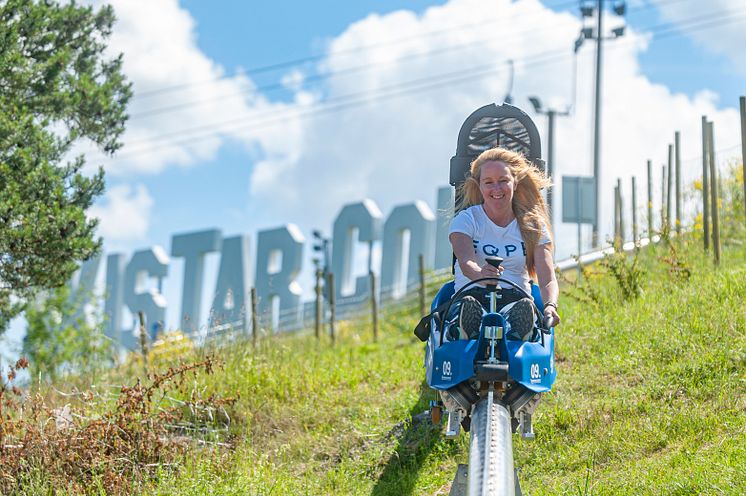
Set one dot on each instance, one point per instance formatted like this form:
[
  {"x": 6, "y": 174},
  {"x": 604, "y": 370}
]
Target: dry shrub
[
  {"x": 104, "y": 445},
  {"x": 678, "y": 268}
]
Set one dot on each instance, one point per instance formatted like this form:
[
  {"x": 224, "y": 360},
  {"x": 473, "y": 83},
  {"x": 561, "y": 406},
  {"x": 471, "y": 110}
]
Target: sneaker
[
  {"x": 520, "y": 316},
  {"x": 470, "y": 318}
]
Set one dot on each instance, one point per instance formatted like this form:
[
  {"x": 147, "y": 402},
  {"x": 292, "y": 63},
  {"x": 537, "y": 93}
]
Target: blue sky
[
  {"x": 277, "y": 32},
  {"x": 204, "y": 148}
]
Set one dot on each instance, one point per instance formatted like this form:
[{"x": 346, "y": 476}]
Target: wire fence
[
  {"x": 355, "y": 307},
  {"x": 359, "y": 307}
]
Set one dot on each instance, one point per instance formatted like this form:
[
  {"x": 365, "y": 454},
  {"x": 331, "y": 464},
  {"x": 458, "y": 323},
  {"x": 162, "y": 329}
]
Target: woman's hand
[
  {"x": 551, "y": 312},
  {"x": 488, "y": 270}
]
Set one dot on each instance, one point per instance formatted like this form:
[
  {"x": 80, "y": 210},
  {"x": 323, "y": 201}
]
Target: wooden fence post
[
  {"x": 714, "y": 189},
  {"x": 319, "y": 308},
  {"x": 616, "y": 216},
  {"x": 332, "y": 308},
  {"x": 143, "y": 342},
  {"x": 254, "y": 318},
  {"x": 634, "y": 210},
  {"x": 650, "y": 199},
  {"x": 421, "y": 261},
  {"x": 663, "y": 198},
  {"x": 742, "y": 102},
  {"x": 373, "y": 304},
  {"x": 621, "y": 212},
  {"x": 669, "y": 202},
  {"x": 677, "y": 146},
  {"x": 705, "y": 185}
]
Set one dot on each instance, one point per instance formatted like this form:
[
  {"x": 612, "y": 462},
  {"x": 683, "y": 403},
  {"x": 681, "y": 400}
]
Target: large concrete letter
[
  {"x": 144, "y": 263},
  {"x": 443, "y": 249},
  {"x": 366, "y": 217},
  {"x": 418, "y": 219},
  {"x": 193, "y": 247},
  {"x": 229, "y": 305},
  {"x": 279, "y": 259},
  {"x": 114, "y": 299}
]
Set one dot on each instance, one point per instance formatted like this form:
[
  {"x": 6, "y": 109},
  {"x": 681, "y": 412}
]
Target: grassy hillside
[{"x": 650, "y": 399}]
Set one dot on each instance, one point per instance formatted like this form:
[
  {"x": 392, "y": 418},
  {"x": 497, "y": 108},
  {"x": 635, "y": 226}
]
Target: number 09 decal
[
  {"x": 446, "y": 367},
  {"x": 535, "y": 371}
]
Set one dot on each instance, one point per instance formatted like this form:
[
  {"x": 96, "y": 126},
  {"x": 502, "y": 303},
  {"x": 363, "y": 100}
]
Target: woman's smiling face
[{"x": 496, "y": 184}]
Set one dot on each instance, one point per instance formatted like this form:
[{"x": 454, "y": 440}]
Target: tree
[
  {"x": 57, "y": 88},
  {"x": 62, "y": 337}
]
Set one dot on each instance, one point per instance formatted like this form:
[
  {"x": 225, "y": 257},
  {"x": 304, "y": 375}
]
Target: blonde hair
[{"x": 528, "y": 205}]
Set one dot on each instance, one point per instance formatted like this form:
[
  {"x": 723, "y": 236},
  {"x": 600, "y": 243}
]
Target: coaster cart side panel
[{"x": 531, "y": 364}]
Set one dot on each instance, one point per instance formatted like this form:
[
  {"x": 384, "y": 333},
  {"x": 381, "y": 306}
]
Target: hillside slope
[{"x": 650, "y": 399}]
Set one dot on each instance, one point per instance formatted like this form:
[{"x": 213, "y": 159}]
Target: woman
[{"x": 502, "y": 213}]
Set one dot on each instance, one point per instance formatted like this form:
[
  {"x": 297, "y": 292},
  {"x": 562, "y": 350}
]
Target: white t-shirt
[{"x": 492, "y": 240}]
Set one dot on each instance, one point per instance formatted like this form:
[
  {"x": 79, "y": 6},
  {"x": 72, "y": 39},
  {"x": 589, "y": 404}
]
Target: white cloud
[
  {"x": 397, "y": 149},
  {"x": 124, "y": 214},
  {"x": 200, "y": 108}
]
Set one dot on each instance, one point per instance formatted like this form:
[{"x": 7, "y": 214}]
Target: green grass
[{"x": 650, "y": 399}]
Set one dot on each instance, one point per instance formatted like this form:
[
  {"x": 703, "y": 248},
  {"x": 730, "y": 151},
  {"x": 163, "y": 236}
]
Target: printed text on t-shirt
[{"x": 494, "y": 251}]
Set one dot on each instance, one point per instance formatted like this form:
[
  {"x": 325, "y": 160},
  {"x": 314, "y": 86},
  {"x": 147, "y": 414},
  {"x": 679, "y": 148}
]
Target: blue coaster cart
[{"x": 489, "y": 386}]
